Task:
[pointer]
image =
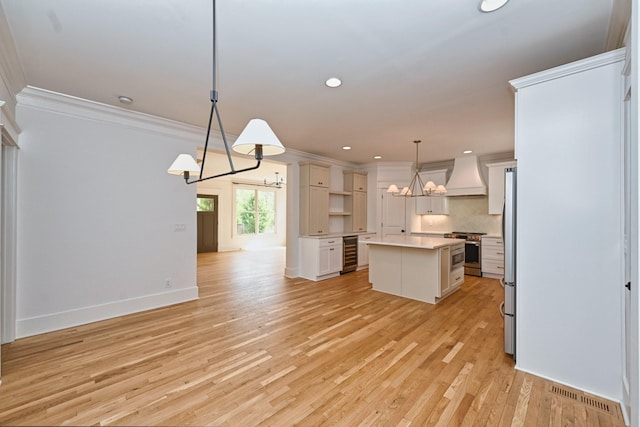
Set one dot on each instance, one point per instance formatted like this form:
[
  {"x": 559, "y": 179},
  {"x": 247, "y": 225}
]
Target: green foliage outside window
[
  {"x": 247, "y": 210},
  {"x": 205, "y": 204}
]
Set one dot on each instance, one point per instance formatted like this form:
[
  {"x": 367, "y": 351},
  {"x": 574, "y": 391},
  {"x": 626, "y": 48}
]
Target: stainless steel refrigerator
[{"x": 508, "y": 308}]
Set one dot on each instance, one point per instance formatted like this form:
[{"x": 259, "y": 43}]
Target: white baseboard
[
  {"x": 66, "y": 319},
  {"x": 291, "y": 273}
]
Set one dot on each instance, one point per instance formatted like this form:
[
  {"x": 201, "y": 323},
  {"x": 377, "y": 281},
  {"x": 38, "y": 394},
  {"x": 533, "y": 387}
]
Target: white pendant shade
[
  {"x": 183, "y": 163},
  {"x": 429, "y": 186},
  {"x": 491, "y": 5},
  {"x": 392, "y": 189},
  {"x": 258, "y": 132}
]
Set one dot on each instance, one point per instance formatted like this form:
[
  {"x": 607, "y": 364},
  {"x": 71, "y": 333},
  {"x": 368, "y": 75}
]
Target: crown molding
[
  {"x": 58, "y": 103},
  {"x": 10, "y": 128},
  {"x": 11, "y": 70},
  {"x": 568, "y": 69},
  {"x": 618, "y": 24}
]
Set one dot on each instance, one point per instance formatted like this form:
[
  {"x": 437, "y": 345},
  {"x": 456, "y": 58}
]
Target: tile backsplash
[{"x": 466, "y": 213}]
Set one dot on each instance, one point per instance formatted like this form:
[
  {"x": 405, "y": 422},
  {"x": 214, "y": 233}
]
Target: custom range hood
[{"x": 466, "y": 179}]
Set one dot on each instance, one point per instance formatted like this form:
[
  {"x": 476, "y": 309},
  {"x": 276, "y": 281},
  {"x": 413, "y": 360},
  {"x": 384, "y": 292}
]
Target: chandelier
[
  {"x": 257, "y": 138},
  {"x": 423, "y": 190},
  {"x": 278, "y": 183}
]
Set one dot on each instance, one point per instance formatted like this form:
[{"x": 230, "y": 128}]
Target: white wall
[
  {"x": 97, "y": 213},
  {"x": 569, "y": 283}
]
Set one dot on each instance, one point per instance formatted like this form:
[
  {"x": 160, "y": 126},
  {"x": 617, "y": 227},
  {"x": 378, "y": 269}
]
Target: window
[
  {"x": 255, "y": 211},
  {"x": 205, "y": 204}
]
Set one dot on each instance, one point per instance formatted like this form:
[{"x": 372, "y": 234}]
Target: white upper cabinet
[{"x": 436, "y": 205}]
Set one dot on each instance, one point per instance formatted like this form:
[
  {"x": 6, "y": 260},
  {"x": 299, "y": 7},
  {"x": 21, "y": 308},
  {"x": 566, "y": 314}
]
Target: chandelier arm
[
  {"x": 421, "y": 182},
  {"x": 224, "y": 137},
  {"x": 206, "y": 140},
  {"x": 233, "y": 172}
]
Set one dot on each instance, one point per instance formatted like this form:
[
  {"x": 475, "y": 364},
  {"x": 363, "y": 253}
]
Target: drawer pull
[
  {"x": 333, "y": 241},
  {"x": 499, "y": 253},
  {"x": 500, "y": 267}
]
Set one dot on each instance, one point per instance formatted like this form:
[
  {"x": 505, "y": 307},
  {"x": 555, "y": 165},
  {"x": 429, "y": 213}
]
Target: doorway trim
[{"x": 9, "y": 131}]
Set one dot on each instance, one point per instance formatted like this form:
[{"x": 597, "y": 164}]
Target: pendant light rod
[
  {"x": 257, "y": 138},
  {"x": 214, "y": 91}
]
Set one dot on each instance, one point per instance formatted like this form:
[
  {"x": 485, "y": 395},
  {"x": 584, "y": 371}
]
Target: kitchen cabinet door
[
  {"x": 318, "y": 176},
  {"x": 314, "y": 174},
  {"x": 436, "y": 205},
  {"x": 314, "y": 199},
  {"x": 363, "y": 249},
  {"x": 318, "y": 211},
  {"x": 355, "y": 181},
  {"x": 359, "y": 212},
  {"x": 320, "y": 258}
]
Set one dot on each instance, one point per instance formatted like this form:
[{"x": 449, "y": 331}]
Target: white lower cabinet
[
  {"x": 492, "y": 257},
  {"x": 450, "y": 280},
  {"x": 320, "y": 258},
  {"x": 363, "y": 249},
  {"x": 445, "y": 266}
]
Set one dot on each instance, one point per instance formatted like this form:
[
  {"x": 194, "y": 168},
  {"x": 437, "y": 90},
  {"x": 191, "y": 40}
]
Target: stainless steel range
[{"x": 472, "y": 251}]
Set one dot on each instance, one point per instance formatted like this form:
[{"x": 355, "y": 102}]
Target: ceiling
[{"x": 434, "y": 70}]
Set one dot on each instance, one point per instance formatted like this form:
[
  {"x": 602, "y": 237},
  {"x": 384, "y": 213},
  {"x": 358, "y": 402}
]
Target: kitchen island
[{"x": 419, "y": 268}]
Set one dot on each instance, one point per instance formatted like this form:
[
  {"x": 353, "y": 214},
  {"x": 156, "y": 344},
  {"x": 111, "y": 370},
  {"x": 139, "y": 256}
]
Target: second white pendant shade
[{"x": 258, "y": 132}]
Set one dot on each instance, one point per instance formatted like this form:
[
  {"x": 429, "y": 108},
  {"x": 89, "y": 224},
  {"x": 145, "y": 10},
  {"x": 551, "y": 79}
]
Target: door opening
[{"x": 207, "y": 211}]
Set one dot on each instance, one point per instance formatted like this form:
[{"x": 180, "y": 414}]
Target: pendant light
[
  {"x": 278, "y": 183},
  {"x": 257, "y": 138},
  {"x": 423, "y": 190}
]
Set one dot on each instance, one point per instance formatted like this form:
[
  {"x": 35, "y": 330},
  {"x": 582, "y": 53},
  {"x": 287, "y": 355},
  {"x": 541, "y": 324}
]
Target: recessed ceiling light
[
  {"x": 125, "y": 100},
  {"x": 377, "y": 157},
  {"x": 333, "y": 82},
  {"x": 491, "y": 5},
  {"x": 346, "y": 147},
  {"x": 467, "y": 152}
]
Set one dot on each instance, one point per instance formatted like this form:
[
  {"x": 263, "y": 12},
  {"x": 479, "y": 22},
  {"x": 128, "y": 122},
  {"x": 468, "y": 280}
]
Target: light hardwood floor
[{"x": 259, "y": 349}]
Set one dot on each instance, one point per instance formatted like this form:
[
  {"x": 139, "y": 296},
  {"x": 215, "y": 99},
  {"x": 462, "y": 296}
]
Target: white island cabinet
[{"x": 414, "y": 267}]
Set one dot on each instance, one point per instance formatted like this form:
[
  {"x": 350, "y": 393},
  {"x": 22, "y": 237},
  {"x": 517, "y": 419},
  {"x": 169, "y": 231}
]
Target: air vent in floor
[{"x": 593, "y": 402}]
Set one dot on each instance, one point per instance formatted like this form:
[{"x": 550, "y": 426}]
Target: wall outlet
[
  {"x": 167, "y": 282},
  {"x": 180, "y": 227}
]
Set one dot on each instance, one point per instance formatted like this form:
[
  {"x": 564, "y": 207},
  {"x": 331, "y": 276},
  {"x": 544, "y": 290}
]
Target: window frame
[{"x": 256, "y": 191}]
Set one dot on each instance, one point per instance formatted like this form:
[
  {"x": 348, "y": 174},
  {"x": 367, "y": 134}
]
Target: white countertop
[
  {"x": 415, "y": 242},
  {"x": 342, "y": 234}
]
